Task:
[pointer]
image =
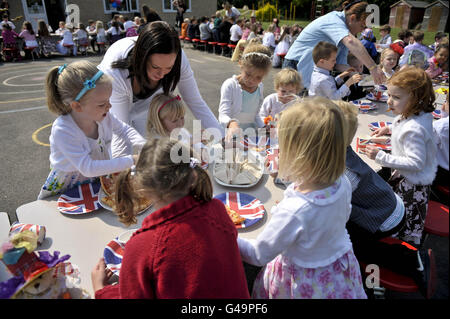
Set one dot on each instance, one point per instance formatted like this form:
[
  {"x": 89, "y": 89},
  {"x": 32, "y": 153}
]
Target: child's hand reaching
[
  {"x": 100, "y": 275},
  {"x": 370, "y": 151},
  {"x": 347, "y": 72},
  {"x": 381, "y": 131},
  {"x": 354, "y": 79}
]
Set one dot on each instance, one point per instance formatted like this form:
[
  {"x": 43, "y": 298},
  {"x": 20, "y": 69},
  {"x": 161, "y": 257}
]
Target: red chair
[
  {"x": 101, "y": 47},
  {"x": 232, "y": 47},
  {"x": 32, "y": 51},
  {"x": 212, "y": 46},
  {"x": 11, "y": 54},
  {"x": 222, "y": 46},
  {"x": 69, "y": 48},
  {"x": 202, "y": 44},
  {"x": 195, "y": 43},
  {"x": 436, "y": 222},
  {"x": 281, "y": 55}
]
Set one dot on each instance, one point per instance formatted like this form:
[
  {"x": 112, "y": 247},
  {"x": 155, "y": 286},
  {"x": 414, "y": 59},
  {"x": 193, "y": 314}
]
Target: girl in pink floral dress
[{"x": 305, "y": 246}]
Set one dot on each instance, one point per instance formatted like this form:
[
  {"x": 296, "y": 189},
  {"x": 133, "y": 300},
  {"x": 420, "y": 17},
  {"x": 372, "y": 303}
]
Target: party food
[{"x": 235, "y": 217}]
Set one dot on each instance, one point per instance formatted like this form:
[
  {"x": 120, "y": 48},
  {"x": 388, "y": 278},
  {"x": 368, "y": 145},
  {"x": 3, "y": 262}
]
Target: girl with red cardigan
[{"x": 186, "y": 248}]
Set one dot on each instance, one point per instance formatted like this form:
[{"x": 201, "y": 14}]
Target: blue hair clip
[
  {"x": 61, "y": 68},
  {"x": 88, "y": 85}
]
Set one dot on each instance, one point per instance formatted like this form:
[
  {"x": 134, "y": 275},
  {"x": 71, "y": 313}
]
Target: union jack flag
[
  {"x": 245, "y": 205},
  {"x": 363, "y": 142},
  {"x": 81, "y": 199},
  {"x": 113, "y": 254},
  {"x": 37, "y": 229},
  {"x": 272, "y": 158},
  {"x": 376, "y": 125}
]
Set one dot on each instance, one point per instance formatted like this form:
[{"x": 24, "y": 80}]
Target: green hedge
[{"x": 266, "y": 13}]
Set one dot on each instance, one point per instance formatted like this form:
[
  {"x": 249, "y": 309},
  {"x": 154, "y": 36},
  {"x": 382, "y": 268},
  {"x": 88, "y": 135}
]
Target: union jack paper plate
[
  {"x": 383, "y": 98},
  {"x": 376, "y": 125},
  {"x": 37, "y": 229},
  {"x": 114, "y": 250},
  {"x": 365, "y": 106},
  {"x": 272, "y": 158},
  {"x": 81, "y": 199},
  {"x": 437, "y": 114},
  {"x": 245, "y": 205},
  {"x": 363, "y": 142}
]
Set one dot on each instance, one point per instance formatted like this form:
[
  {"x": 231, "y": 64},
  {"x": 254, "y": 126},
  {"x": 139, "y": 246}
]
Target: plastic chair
[
  {"x": 281, "y": 55},
  {"x": 69, "y": 48},
  {"x": 222, "y": 46},
  {"x": 436, "y": 222},
  {"x": 202, "y": 44},
  {"x": 32, "y": 51},
  {"x": 213, "y": 47},
  {"x": 232, "y": 47},
  {"x": 11, "y": 54},
  {"x": 195, "y": 43}
]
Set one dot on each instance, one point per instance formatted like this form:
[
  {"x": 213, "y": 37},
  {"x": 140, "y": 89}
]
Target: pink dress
[{"x": 434, "y": 68}]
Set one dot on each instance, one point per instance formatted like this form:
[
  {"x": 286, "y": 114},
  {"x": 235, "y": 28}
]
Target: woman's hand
[
  {"x": 378, "y": 75},
  {"x": 381, "y": 131},
  {"x": 233, "y": 130}
]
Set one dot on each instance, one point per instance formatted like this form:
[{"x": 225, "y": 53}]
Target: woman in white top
[
  {"x": 305, "y": 248},
  {"x": 148, "y": 64}
]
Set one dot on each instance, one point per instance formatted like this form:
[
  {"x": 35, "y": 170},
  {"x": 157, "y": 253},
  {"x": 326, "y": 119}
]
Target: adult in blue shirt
[{"x": 339, "y": 28}]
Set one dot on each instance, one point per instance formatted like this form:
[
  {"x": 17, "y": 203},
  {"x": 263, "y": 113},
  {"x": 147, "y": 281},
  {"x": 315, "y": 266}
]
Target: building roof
[
  {"x": 444, "y": 3},
  {"x": 413, "y": 4}
]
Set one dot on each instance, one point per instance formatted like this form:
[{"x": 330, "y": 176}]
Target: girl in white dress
[
  {"x": 80, "y": 139},
  {"x": 305, "y": 248}
]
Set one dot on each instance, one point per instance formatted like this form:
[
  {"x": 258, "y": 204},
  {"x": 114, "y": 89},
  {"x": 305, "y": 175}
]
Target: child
[
  {"x": 417, "y": 48},
  {"x": 322, "y": 83},
  {"x": 269, "y": 38},
  {"x": 80, "y": 139},
  {"x": 377, "y": 212},
  {"x": 187, "y": 247},
  {"x": 184, "y": 27},
  {"x": 101, "y": 33},
  {"x": 47, "y": 44},
  {"x": 436, "y": 62},
  {"x": 402, "y": 41},
  {"x": 288, "y": 85},
  {"x": 241, "y": 95},
  {"x": 82, "y": 37},
  {"x": 67, "y": 40},
  {"x": 356, "y": 91},
  {"x": 440, "y": 130},
  {"x": 115, "y": 31},
  {"x": 386, "y": 39},
  {"x": 236, "y": 31},
  {"x": 305, "y": 247},
  {"x": 61, "y": 29},
  {"x": 413, "y": 157},
  {"x": 29, "y": 36},
  {"x": 388, "y": 61},
  {"x": 9, "y": 41},
  {"x": 205, "y": 31},
  {"x": 367, "y": 41},
  {"x": 437, "y": 40},
  {"x": 282, "y": 47},
  {"x": 92, "y": 32}
]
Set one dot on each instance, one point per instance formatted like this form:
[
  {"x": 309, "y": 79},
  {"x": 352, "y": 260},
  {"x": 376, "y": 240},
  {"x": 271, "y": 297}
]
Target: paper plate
[
  {"x": 102, "y": 194},
  {"x": 82, "y": 199},
  {"x": 363, "y": 142},
  {"x": 376, "y": 125},
  {"x": 383, "y": 98},
  {"x": 114, "y": 250},
  {"x": 246, "y": 205},
  {"x": 272, "y": 158},
  {"x": 437, "y": 114},
  {"x": 365, "y": 106}
]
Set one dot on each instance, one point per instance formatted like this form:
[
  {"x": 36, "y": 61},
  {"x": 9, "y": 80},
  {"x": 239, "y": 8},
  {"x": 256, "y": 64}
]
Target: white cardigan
[
  {"x": 70, "y": 149},
  {"x": 135, "y": 114},
  {"x": 413, "y": 149},
  {"x": 308, "y": 230},
  {"x": 231, "y": 101}
]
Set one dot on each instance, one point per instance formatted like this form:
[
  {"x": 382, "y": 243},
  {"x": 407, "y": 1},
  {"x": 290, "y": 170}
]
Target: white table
[{"x": 4, "y": 231}]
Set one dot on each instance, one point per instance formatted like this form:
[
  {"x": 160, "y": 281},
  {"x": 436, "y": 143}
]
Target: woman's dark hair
[
  {"x": 156, "y": 37},
  {"x": 43, "y": 29},
  {"x": 28, "y": 26}
]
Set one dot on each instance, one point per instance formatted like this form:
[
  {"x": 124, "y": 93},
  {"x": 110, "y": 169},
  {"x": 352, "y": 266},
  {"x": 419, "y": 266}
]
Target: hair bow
[{"x": 89, "y": 85}]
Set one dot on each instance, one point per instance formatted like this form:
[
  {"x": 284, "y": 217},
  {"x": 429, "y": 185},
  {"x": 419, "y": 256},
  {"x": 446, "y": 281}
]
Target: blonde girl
[
  {"x": 165, "y": 114},
  {"x": 80, "y": 139},
  {"x": 242, "y": 95},
  {"x": 413, "y": 157},
  {"x": 187, "y": 247},
  {"x": 101, "y": 33},
  {"x": 437, "y": 61},
  {"x": 305, "y": 248},
  {"x": 388, "y": 61}
]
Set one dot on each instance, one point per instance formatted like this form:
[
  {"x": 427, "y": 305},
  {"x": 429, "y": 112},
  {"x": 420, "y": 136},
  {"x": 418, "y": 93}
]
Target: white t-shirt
[{"x": 235, "y": 33}]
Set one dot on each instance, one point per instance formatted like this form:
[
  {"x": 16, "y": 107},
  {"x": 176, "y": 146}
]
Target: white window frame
[
  {"x": 129, "y": 6},
  {"x": 172, "y": 10}
]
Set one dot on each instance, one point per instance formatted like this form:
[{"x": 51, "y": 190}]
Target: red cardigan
[{"x": 187, "y": 249}]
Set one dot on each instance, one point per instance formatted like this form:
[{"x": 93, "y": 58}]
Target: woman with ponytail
[{"x": 186, "y": 248}]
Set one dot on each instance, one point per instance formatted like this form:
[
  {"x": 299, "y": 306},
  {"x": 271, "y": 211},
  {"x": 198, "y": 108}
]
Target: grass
[{"x": 428, "y": 38}]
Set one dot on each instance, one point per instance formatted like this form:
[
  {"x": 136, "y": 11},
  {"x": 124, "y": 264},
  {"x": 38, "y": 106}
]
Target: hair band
[
  {"x": 133, "y": 170},
  {"x": 193, "y": 162},
  {"x": 351, "y": 4},
  {"x": 61, "y": 68},
  {"x": 168, "y": 101},
  {"x": 89, "y": 85},
  {"x": 256, "y": 53}
]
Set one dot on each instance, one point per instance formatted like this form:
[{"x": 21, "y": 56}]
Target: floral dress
[{"x": 59, "y": 181}]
